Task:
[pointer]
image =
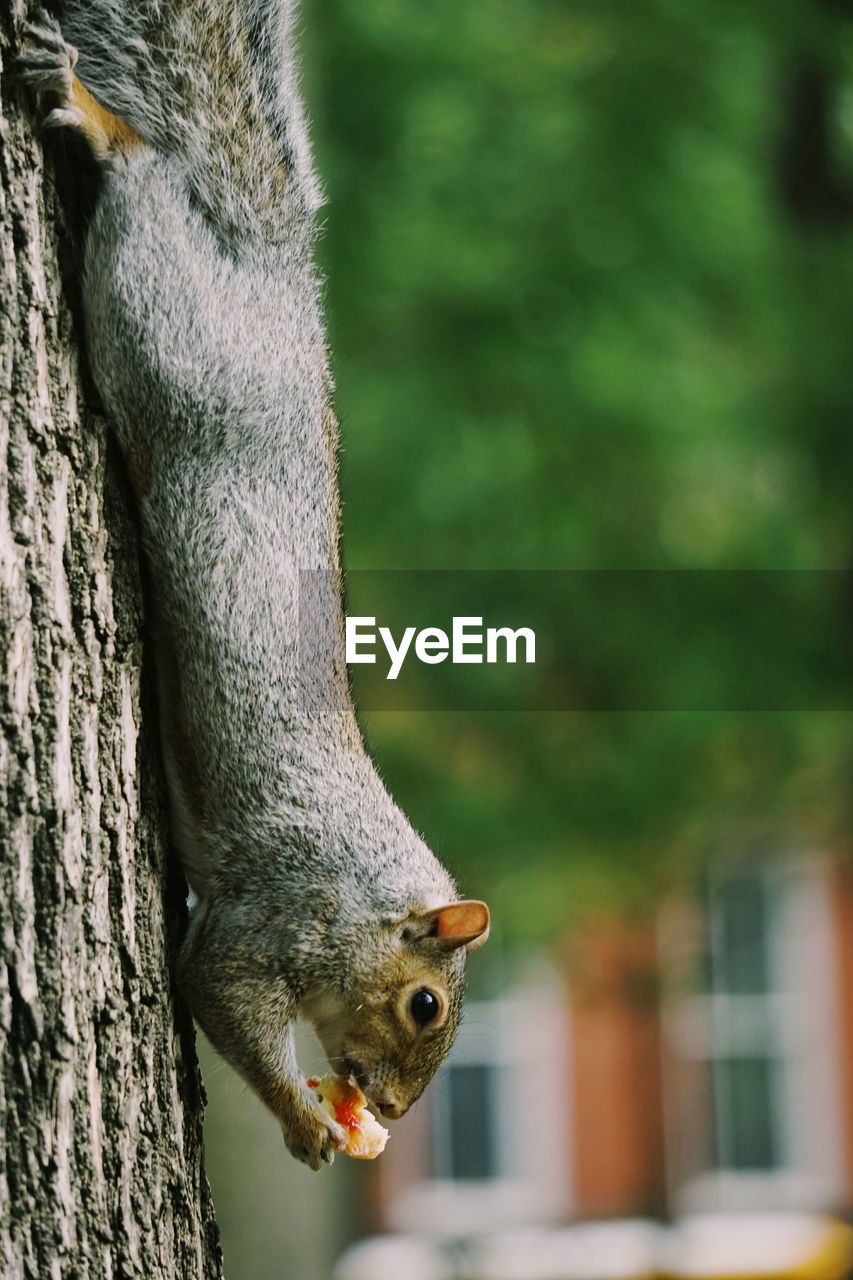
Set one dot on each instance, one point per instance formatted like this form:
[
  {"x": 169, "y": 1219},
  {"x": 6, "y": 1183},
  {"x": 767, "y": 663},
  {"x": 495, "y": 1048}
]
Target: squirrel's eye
[{"x": 424, "y": 1006}]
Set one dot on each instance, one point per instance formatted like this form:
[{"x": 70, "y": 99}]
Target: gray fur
[{"x": 206, "y": 342}]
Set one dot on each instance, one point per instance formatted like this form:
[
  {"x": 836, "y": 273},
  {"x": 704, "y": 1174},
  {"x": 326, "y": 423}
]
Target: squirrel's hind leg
[{"x": 47, "y": 64}]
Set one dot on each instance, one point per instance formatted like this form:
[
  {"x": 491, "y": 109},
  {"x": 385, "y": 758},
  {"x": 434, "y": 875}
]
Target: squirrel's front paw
[
  {"x": 311, "y": 1135},
  {"x": 46, "y": 62}
]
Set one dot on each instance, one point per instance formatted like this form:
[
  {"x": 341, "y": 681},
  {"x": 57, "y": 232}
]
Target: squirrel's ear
[{"x": 460, "y": 924}]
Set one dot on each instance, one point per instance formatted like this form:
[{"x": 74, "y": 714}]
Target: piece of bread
[{"x": 345, "y": 1102}]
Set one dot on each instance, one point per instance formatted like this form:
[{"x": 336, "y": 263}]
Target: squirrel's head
[{"x": 394, "y": 1031}]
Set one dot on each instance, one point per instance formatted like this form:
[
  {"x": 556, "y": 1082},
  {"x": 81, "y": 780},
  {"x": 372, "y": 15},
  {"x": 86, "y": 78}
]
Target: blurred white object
[
  {"x": 769, "y": 1246},
  {"x": 766, "y": 1245},
  {"x": 393, "y": 1258},
  {"x": 624, "y": 1250}
]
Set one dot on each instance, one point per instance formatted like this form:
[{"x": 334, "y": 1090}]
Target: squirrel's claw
[
  {"x": 63, "y": 118},
  {"x": 313, "y": 1137},
  {"x": 46, "y": 61},
  {"x": 46, "y": 64}
]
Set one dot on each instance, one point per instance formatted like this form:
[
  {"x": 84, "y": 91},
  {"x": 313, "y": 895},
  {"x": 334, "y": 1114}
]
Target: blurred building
[{"x": 697, "y": 1064}]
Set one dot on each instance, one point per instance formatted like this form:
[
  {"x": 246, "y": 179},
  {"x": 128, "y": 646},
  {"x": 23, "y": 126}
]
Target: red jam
[{"x": 347, "y": 1114}]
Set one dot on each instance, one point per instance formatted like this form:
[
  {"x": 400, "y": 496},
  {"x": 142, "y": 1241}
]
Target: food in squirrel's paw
[{"x": 346, "y": 1104}]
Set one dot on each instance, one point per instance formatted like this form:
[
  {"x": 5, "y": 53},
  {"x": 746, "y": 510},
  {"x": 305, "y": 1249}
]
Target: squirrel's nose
[{"x": 390, "y": 1110}]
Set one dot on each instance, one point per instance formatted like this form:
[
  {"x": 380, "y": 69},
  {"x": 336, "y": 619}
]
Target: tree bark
[{"x": 101, "y": 1169}]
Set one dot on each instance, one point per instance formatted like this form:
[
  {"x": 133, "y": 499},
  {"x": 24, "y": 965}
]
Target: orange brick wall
[
  {"x": 617, "y": 1119},
  {"x": 842, "y": 903}
]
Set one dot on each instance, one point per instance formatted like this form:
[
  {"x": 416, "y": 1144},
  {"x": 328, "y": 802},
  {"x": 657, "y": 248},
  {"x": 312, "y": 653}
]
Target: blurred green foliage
[{"x": 590, "y": 287}]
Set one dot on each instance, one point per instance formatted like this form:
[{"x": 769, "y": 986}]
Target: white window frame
[
  {"x": 524, "y": 1034},
  {"x": 799, "y": 1018}
]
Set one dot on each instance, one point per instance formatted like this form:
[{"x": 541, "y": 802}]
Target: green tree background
[{"x": 590, "y": 288}]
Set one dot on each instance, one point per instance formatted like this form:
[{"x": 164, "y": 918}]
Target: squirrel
[{"x": 310, "y": 893}]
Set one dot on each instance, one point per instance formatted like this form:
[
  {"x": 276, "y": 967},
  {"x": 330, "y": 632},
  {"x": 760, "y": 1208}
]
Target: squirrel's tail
[{"x": 214, "y": 86}]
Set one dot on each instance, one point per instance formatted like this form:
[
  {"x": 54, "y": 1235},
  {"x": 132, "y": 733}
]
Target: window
[
  {"x": 484, "y": 1156},
  {"x": 745, "y": 1049},
  {"x": 466, "y": 1122},
  {"x": 753, "y": 1060}
]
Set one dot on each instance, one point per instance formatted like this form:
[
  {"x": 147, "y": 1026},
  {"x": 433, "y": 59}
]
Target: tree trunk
[{"x": 101, "y": 1168}]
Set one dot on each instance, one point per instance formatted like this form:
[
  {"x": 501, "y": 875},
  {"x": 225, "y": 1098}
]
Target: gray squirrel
[{"x": 313, "y": 894}]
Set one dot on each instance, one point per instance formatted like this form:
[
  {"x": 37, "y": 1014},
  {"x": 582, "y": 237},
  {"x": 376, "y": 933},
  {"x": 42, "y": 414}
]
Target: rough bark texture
[{"x": 101, "y": 1171}]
